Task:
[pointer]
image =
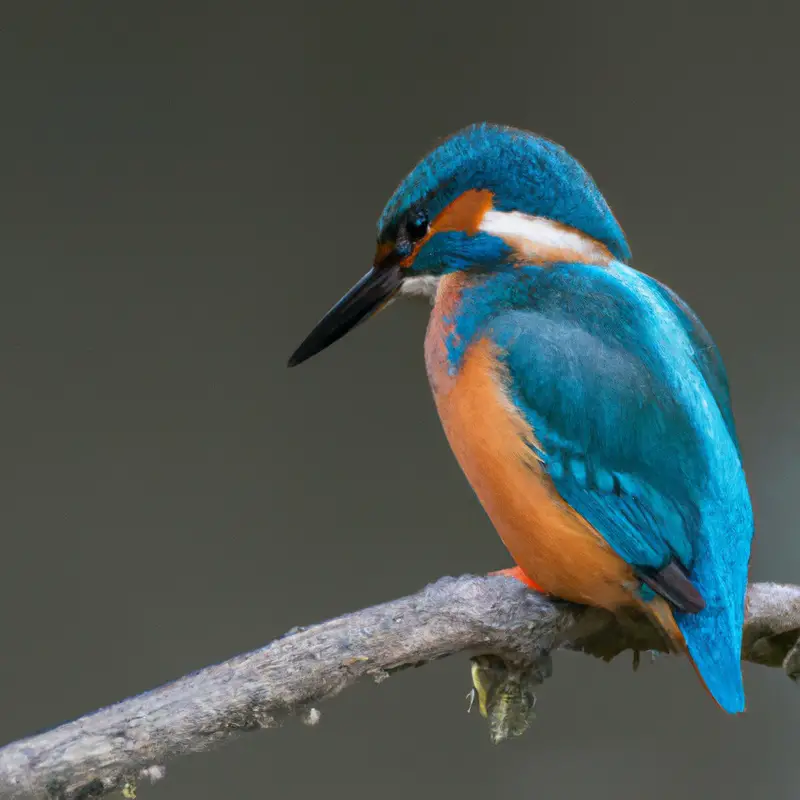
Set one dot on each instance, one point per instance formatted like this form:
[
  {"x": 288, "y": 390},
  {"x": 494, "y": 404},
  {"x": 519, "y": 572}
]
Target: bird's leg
[
  {"x": 518, "y": 574},
  {"x": 503, "y": 688}
]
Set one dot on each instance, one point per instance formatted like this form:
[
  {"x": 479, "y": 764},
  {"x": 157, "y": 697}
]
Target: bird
[{"x": 584, "y": 400}]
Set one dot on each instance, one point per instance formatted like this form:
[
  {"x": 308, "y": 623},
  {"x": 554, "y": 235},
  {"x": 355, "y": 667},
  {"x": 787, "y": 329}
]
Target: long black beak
[{"x": 369, "y": 295}]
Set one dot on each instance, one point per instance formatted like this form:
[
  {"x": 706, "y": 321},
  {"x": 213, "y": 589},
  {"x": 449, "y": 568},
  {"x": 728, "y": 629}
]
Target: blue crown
[{"x": 526, "y": 173}]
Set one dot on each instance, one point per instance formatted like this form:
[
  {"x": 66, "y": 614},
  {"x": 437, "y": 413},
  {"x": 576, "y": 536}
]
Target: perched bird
[{"x": 585, "y": 402}]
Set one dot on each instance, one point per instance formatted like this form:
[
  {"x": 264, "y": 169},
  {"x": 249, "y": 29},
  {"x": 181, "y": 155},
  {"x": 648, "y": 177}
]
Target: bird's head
[{"x": 489, "y": 197}]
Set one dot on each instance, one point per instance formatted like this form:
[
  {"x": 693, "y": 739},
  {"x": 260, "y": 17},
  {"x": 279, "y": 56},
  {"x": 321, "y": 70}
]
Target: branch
[{"x": 512, "y": 628}]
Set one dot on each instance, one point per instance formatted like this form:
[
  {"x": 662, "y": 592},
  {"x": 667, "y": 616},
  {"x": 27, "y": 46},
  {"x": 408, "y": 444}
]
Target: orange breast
[{"x": 551, "y": 542}]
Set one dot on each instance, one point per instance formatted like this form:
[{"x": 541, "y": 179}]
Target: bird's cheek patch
[{"x": 464, "y": 214}]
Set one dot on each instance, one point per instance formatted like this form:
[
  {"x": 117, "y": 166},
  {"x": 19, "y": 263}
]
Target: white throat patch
[{"x": 420, "y": 286}]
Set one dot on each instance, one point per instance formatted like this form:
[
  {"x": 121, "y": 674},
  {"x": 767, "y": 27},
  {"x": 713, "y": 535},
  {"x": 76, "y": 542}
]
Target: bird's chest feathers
[
  {"x": 489, "y": 437},
  {"x": 468, "y": 381},
  {"x": 496, "y": 448},
  {"x": 457, "y": 319}
]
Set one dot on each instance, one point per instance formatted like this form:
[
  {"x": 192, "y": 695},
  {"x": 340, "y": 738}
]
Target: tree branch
[{"x": 512, "y": 628}]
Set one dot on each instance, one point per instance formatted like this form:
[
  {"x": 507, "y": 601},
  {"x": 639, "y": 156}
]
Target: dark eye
[{"x": 417, "y": 225}]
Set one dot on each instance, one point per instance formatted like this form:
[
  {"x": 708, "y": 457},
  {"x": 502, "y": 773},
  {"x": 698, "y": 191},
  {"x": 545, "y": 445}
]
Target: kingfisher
[{"x": 584, "y": 400}]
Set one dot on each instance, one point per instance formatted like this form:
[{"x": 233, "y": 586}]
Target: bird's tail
[
  {"x": 714, "y": 635},
  {"x": 714, "y": 642},
  {"x": 713, "y": 646}
]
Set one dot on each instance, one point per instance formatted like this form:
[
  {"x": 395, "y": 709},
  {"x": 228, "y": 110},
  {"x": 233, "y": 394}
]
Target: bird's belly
[{"x": 551, "y": 542}]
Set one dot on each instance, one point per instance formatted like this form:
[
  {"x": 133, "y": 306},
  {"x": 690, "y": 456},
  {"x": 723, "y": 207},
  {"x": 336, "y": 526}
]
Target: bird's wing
[
  {"x": 705, "y": 354},
  {"x": 617, "y": 444}
]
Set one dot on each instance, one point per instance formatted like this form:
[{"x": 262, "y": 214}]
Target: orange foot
[{"x": 518, "y": 574}]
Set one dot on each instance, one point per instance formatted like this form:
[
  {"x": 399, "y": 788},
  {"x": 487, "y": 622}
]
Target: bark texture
[{"x": 510, "y": 630}]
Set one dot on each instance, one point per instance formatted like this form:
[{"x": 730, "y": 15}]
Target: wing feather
[{"x": 616, "y": 445}]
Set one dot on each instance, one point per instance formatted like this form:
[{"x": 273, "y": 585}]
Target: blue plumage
[{"x": 627, "y": 397}]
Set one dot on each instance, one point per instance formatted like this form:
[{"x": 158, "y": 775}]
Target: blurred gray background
[{"x": 184, "y": 189}]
